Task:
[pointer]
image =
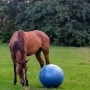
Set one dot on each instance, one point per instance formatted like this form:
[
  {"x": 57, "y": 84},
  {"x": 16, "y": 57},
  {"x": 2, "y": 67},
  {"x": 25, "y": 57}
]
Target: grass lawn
[{"x": 75, "y": 63}]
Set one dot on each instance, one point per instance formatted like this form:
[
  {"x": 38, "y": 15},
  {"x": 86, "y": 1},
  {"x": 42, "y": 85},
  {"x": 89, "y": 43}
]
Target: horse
[{"x": 23, "y": 44}]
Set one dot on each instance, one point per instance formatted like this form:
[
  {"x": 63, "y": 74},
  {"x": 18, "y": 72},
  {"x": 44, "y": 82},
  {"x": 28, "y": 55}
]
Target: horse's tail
[{"x": 21, "y": 43}]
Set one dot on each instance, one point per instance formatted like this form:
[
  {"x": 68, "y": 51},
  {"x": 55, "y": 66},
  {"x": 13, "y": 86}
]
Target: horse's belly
[
  {"x": 28, "y": 54},
  {"x": 32, "y": 51}
]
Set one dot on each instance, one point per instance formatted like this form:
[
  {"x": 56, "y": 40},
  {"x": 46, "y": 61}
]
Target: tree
[{"x": 66, "y": 22}]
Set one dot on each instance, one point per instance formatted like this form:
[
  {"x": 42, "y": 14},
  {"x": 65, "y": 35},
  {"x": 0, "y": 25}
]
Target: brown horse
[{"x": 24, "y": 44}]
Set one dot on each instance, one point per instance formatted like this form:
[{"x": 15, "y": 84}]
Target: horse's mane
[{"x": 19, "y": 44}]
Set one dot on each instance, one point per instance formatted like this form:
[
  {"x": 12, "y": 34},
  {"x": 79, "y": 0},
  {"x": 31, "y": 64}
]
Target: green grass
[{"x": 75, "y": 63}]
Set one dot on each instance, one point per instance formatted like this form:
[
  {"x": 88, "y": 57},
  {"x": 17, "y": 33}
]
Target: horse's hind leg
[
  {"x": 46, "y": 55},
  {"x": 39, "y": 58}
]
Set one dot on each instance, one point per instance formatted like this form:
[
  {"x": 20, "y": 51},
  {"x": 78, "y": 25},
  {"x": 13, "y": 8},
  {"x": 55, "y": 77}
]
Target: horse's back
[{"x": 39, "y": 35}]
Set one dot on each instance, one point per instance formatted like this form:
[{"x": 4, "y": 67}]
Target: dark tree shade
[{"x": 66, "y": 22}]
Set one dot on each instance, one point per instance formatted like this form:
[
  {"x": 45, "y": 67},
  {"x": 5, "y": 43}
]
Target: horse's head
[{"x": 21, "y": 71}]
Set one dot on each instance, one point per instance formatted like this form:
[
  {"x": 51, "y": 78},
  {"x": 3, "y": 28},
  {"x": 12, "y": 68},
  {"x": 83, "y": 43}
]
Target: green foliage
[
  {"x": 66, "y": 22},
  {"x": 5, "y": 36}
]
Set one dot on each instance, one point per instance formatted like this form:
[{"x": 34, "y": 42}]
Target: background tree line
[{"x": 66, "y": 22}]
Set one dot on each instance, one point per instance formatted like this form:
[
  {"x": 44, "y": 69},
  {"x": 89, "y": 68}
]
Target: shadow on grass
[{"x": 44, "y": 88}]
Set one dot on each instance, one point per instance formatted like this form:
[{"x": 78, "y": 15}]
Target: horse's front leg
[
  {"x": 26, "y": 81},
  {"x": 15, "y": 76},
  {"x": 14, "y": 65}
]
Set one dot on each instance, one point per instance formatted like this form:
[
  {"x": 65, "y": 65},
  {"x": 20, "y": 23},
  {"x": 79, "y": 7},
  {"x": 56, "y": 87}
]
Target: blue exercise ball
[{"x": 51, "y": 76}]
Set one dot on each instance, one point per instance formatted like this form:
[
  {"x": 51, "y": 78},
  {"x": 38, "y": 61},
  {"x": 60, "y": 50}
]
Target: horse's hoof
[
  {"x": 27, "y": 85},
  {"x": 14, "y": 84},
  {"x": 22, "y": 83},
  {"x": 27, "y": 88}
]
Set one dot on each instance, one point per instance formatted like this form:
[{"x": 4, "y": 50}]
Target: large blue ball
[{"x": 51, "y": 76}]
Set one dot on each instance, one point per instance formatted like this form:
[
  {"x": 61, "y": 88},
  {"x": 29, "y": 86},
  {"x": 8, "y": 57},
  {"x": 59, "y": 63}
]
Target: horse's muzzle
[{"x": 22, "y": 83}]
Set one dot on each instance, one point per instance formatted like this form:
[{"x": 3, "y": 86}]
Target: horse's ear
[{"x": 18, "y": 62}]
